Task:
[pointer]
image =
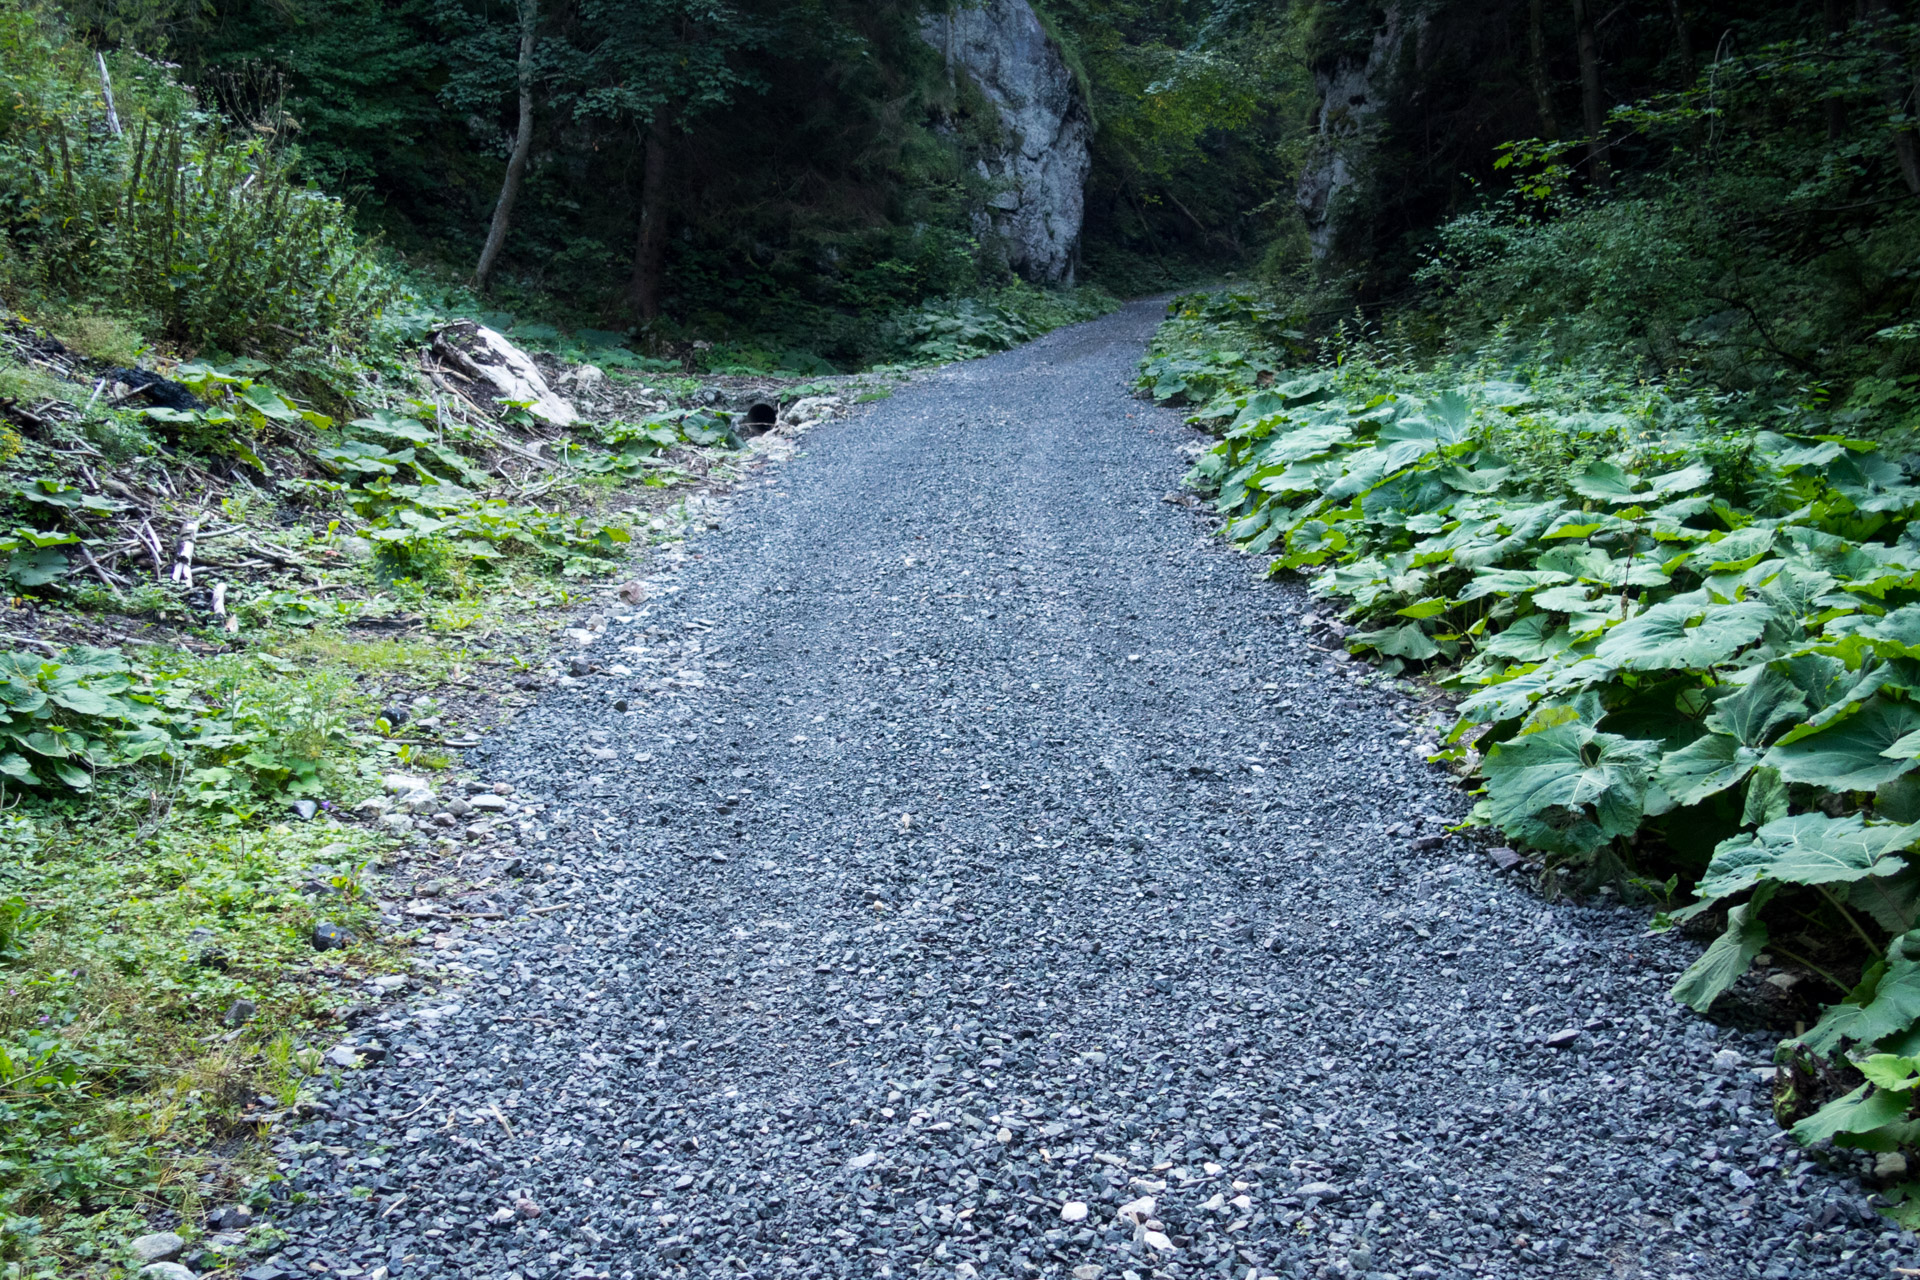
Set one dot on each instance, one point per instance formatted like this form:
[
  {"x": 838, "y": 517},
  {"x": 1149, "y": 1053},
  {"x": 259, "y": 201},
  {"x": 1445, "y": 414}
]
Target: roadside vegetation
[{"x": 1636, "y": 481}]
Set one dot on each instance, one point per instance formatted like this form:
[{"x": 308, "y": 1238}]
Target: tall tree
[
  {"x": 1592, "y": 105},
  {"x": 522, "y": 147},
  {"x": 650, "y": 250},
  {"x": 1537, "y": 67},
  {"x": 1898, "y": 88},
  {"x": 654, "y": 67}
]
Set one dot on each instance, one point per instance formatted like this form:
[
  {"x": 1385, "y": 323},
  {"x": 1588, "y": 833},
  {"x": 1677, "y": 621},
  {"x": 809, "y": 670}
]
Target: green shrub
[
  {"x": 173, "y": 218},
  {"x": 964, "y": 328}
]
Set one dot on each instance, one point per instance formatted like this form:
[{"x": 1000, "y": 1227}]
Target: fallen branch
[
  {"x": 183, "y": 567},
  {"x": 49, "y": 646}
]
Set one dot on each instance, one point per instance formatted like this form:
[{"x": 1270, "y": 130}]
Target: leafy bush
[
  {"x": 1691, "y": 624},
  {"x": 965, "y": 328},
  {"x": 1767, "y": 247},
  {"x": 207, "y": 233},
  {"x": 243, "y": 731}
]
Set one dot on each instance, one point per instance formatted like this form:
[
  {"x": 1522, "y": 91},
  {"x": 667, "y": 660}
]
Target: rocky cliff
[
  {"x": 1352, "y": 92},
  {"x": 1039, "y": 173}
]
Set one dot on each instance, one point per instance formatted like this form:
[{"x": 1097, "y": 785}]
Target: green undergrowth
[
  {"x": 1684, "y": 628},
  {"x": 176, "y": 819},
  {"x": 158, "y": 982}
]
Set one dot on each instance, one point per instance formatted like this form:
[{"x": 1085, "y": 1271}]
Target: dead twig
[
  {"x": 110, "y": 580},
  {"x": 151, "y": 541}
]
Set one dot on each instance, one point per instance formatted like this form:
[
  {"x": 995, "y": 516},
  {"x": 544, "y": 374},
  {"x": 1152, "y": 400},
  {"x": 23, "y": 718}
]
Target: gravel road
[{"x": 987, "y": 880}]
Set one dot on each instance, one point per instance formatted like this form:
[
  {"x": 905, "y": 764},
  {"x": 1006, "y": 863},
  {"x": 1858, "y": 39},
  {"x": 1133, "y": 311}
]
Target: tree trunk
[
  {"x": 1537, "y": 69},
  {"x": 522, "y": 145},
  {"x": 1836, "y": 16},
  {"x": 1899, "y": 94},
  {"x": 1590, "y": 102},
  {"x": 1683, "y": 41},
  {"x": 650, "y": 252}
]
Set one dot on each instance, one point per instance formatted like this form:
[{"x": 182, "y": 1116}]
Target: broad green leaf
[
  {"x": 1807, "y": 848},
  {"x": 382, "y": 422},
  {"x": 1753, "y": 712},
  {"x": 1850, "y": 753},
  {"x": 1400, "y": 642},
  {"x": 1822, "y": 680},
  {"x": 1511, "y": 582},
  {"x": 1886, "y": 1003},
  {"x": 1907, "y": 748},
  {"x": 1481, "y": 480},
  {"x": 1568, "y": 599},
  {"x": 1739, "y": 550},
  {"x": 1568, "y": 788},
  {"x": 1684, "y": 480},
  {"x": 1531, "y": 639},
  {"x": 1431, "y": 607},
  {"x": 37, "y": 568},
  {"x": 1857, "y": 1112},
  {"x": 1893, "y": 901},
  {"x": 1767, "y": 799},
  {"x": 79, "y": 698},
  {"x": 1683, "y": 633},
  {"x": 1731, "y": 954},
  {"x": 1890, "y": 1071},
  {"x": 1605, "y": 482},
  {"x": 1705, "y": 767}
]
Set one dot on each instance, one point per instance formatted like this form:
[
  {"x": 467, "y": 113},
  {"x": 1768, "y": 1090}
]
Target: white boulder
[{"x": 503, "y": 370}]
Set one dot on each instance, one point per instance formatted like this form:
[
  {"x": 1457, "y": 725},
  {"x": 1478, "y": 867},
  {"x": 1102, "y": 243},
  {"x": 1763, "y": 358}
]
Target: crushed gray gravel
[{"x": 982, "y": 877}]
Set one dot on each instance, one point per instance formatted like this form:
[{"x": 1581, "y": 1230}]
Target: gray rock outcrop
[
  {"x": 1352, "y": 91},
  {"x": 1039, "y": 174}
]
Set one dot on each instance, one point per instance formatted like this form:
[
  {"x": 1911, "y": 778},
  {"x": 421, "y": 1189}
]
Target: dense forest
[{"x": 1567, "y": 353}]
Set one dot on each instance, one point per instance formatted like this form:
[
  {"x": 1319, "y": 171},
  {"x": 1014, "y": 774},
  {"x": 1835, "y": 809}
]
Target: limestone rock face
[
  {"x": 1352, "y": 92},
  {"x": 1040, "y": 172}
]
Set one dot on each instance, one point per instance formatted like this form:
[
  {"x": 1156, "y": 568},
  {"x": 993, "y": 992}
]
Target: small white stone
[
  {"x": 1136, "y": 1210},
  {"x": 166, "y": 1271},
  {"x": 1159, "y": 1241},
  {"x": 1073, "y": 1211},
  {"x": 400, "y": 784},
  {"x": 161, "y": 1246}
]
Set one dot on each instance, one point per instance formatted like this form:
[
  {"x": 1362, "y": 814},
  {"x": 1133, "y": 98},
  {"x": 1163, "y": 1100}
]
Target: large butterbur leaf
[
  {"x": 1891, "y": 899},
  {"x": 1858, "y": 1112},
  {"x": 1400, "y": 642},
  {"x": 1807, "y": 848},
  {"x": 1731, "y": 954},
  {"x": 1605, "y": 482},
  {"x": 1753, "y": 713},
  {"x": 1885, "y": 1004},
  {"x": 1850, "y": 753},
  {"x": 1683, "y": 633},
  {"x": 1568, "y": 788},
  {"x": 1705, "y": 767}
]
